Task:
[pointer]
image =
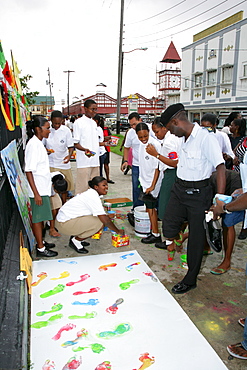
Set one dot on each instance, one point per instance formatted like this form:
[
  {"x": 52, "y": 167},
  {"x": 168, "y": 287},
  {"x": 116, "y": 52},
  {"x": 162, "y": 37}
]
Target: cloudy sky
[{"x": 83, "y": 36}]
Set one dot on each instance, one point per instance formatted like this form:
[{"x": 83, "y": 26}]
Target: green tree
[{"x": 30, "y": 95}]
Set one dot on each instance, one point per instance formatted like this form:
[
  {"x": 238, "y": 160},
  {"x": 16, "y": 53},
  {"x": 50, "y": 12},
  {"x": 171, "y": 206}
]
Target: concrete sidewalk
[{"x": 217, "y": 302}]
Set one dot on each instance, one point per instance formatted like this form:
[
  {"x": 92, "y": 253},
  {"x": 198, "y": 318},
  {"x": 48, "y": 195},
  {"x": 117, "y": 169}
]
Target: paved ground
[{"x": 217, "y": 302}]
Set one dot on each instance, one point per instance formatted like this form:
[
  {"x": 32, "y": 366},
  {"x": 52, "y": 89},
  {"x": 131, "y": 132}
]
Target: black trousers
[{"x": 188, "y": 207}]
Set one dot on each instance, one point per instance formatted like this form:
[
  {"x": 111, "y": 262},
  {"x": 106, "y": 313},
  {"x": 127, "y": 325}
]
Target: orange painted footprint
[
  {"x": 105, "y": 267},
  {"x": 63, "y": 275},
  {"x": 146, "y": 361},
  {"x": 41, "y": 277}
]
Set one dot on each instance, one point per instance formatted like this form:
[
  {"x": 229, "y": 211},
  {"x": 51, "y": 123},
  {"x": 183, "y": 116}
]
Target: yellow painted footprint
[
  {"x": 41, "y": 277},
  {"x": 62, "y": 275}
]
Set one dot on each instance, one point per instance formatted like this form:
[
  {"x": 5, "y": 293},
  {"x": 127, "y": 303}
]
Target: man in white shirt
[
  {"x": 191, "y": 194},
  {"x": 60, "y": 146},
  {"x": 87, "y": 147}
]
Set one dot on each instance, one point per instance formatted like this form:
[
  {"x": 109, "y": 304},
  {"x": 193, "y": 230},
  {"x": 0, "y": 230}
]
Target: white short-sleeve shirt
[
  {"x": 83, "y": 204},
  {"x": 225, "y": 143},
  {"x": 171, "y": 145},
  {"x": 36, "y": 161},
  {"x": 102, "y": 149},
  {"x": 59, "y": 140},
  {"x": 147, "y": 166},
  {"x": 86, "y": 134},
  {"x": 133, "y": 142},
  {"x": 199, "y": 155}
]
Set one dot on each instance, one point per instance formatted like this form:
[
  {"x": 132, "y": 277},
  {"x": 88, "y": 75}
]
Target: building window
[
  {"x": 186, "y": 83},
  {"x": 198, "y": 80},
  {"x": 227, "y": 73},
  {"x": 245, "y": 70},
  {"x": 211, "y": 78}
]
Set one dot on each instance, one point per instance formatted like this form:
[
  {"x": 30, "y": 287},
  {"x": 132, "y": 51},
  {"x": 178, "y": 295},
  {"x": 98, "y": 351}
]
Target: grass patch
[{"x": 116, "y": 149}]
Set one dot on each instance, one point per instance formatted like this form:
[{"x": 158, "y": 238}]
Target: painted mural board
[
  {"x": 110, "y": 311},
  {"x": 18, "y": 184}
]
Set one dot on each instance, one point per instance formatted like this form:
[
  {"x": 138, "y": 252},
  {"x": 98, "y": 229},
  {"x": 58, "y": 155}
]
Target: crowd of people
[{"x": 177, "y": 168}]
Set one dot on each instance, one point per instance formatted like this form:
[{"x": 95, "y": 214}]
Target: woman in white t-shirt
[
  {"x": 150, "y": 179},
  {"x": 84, "y": 215},
  {"x": 39, "y": 181}
]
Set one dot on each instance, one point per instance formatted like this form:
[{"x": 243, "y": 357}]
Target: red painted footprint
[
  {"x": 82, "y": 278},
  {"x": 92, "y": 290},
  {"x": 64, "y": 328}
]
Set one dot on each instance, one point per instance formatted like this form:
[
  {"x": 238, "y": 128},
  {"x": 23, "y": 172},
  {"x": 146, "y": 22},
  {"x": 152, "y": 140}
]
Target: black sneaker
[
  {"x": 151, "y": 239},
  {"x": 131, "y": 219},
  {"x": 46, "y": 253},
  {"x": 84, "y": 243},
  {"x": 81, "y": 250},
  {"x": 48, "y": 245},
  {"x": 161, "y": 245}
]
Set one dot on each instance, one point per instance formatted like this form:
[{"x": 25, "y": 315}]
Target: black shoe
[
  {"x": 46, "y": 253},
  {"x": 84, "y": 243},
  {"x": 181, "y": 288},
  {"x": 151, "y": 239},
  {"x": 243, "y": 234},
  {"x": 161, "y": 245},
  {"x": 82, "y": 250},
  {"x": 48, "y": 245},
  {"x": 126, "y": 171},
  {"x": 131, "y": 219},
  {"x": 111, "y": 182}
]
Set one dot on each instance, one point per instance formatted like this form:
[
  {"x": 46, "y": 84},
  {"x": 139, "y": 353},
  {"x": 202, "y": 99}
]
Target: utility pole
[
  {"x": 50, "y": 86},
  {"x": 120, "y": 67},
  {"x": 68, "y": 87}
]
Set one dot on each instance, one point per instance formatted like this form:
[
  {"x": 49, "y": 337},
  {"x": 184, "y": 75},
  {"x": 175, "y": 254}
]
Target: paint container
[
  {"x": 142, "y": 222},
  {"x": 120, "y": 241},
  {"x": 183, "y": 261},
  {"x": 97, "y": 235},
  {"x": 107, "y": 206}
]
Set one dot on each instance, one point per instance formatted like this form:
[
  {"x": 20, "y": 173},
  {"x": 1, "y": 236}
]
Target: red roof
[{"x": 171, "y": 55}]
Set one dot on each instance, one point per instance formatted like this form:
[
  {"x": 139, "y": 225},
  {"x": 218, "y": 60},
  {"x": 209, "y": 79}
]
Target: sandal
[
  {"x": 237, "y": 350},
  {"x": 217, "y": 271},
  {"x": 179, "y": 242},
  {"x": 241, "y": 322}
]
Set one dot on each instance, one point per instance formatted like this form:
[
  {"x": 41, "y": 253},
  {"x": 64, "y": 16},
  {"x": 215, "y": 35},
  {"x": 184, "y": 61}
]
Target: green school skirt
[
  {"x": 43, "y": 212},
  {"x": 165, "y": 190}
]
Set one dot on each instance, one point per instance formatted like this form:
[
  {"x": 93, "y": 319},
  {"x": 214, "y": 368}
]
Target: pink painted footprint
[
  {"x": 82, "y": 278},
  {"x": 105, "y": 267},
  {"x": 64, "y": 328},
  {"x": 58, "y": 289},
  {"x": 113, "y": 309},
  {"x": 49, "y": 365},
  {"x": 92, "y": 290},
  {"x": 41, "y": 277},
  {"x": 146, "y": 361},
  {"x": 106, "y": 365},
  {"x": 151, "y": 275},
  {"x": 72, "y": 363}
]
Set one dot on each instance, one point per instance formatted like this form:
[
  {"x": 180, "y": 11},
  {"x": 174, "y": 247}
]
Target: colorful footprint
[
  {"x": 82, "y": 278},
  {"x": 69, "y": 262},
  {"x": 49, "y": 365},
  {"x": 95, "y": 347},
  {"x": 124, "y": 257},
  {"x": 72, "y": 363},
  {"x": 113, "y": 309},
  {"x": 105, "y": 267},
  {"x": 92, "y": 290},
  {"x": 151, "y": 275},
  {"x": 58, "y": 289},
  {"x": 130, "y": 267},
  {"x": 43, "y": 324},
  {"x": 91, "y": 302},
  {"x": 106, "y": 365},
  {"x": 146, "y": 361},
  {"x": 41, "y": 276},
  {"x": 90, "y": 315},
  {"x": 55, "y": 308},
  {"x": 127, "y": 284},
  {"x": 80, "y": 334},
  {"x": 63, "y": 275},
  {"x": 64, "y": 328},
  {"x": 120, "y": 330}
]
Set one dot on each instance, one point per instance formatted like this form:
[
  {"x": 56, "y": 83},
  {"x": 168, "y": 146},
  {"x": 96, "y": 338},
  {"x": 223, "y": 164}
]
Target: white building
[{"x": 214, "y": 69}]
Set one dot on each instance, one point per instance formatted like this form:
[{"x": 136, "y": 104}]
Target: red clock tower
[{"x": 169, "y": 77}]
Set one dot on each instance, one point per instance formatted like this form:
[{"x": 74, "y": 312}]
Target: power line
[
  {"x": 186, "y": 29},
  {"x": 156, "y": 15}
]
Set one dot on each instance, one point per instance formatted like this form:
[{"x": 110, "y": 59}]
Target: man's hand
[
  {"x": 66, "y": 159},
  {"x": 124, "y": 166},
  {"x": 217, "y": 209}
]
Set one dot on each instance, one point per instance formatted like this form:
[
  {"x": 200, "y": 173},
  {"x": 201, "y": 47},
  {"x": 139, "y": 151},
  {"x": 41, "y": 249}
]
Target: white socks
[{"x": 77, "y": 243}]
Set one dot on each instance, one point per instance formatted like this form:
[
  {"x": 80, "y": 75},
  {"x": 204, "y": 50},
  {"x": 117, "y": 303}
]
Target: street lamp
[
  {"x": 120, "y": 79},
  {"x": 68, "y": 87}
]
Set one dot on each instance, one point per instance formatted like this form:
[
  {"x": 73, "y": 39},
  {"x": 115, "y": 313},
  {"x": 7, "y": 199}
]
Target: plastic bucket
[
  {"x": 142, "y": 222},
  {"x": 183, "y": 261}
]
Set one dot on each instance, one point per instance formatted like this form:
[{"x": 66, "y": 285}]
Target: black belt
[{"x": 193, "y": 184}]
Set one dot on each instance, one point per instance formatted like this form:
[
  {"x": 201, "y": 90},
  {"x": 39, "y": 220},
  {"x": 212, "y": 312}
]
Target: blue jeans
[
  {"x": 136, "y": 188},
  {"x": 101, "y": 163},
  {"x": 244, "y": 343}
]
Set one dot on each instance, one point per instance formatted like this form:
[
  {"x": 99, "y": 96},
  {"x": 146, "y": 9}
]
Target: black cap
[{"x": 171, "y": 112}]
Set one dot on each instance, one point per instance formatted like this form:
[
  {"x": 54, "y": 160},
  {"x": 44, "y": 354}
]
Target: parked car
[{"x": 124, "y": 124}]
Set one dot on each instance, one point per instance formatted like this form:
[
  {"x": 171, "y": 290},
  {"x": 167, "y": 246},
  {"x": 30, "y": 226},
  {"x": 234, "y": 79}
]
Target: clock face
[{"x": 174, "y": 81}]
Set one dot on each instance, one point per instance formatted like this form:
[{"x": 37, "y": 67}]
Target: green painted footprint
[
  {"x": 90, "y": 315},
  {"x": 127, "y": 284},
  {"x": 43, "y": 324},
  {"x": 58, "y": 289},
  {"x": 55, "y": 308}
]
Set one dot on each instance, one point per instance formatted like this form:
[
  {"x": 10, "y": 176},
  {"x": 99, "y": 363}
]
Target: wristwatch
[
  {"x": 157, "y": 156},
  {"x": 225, "y": 210}
]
